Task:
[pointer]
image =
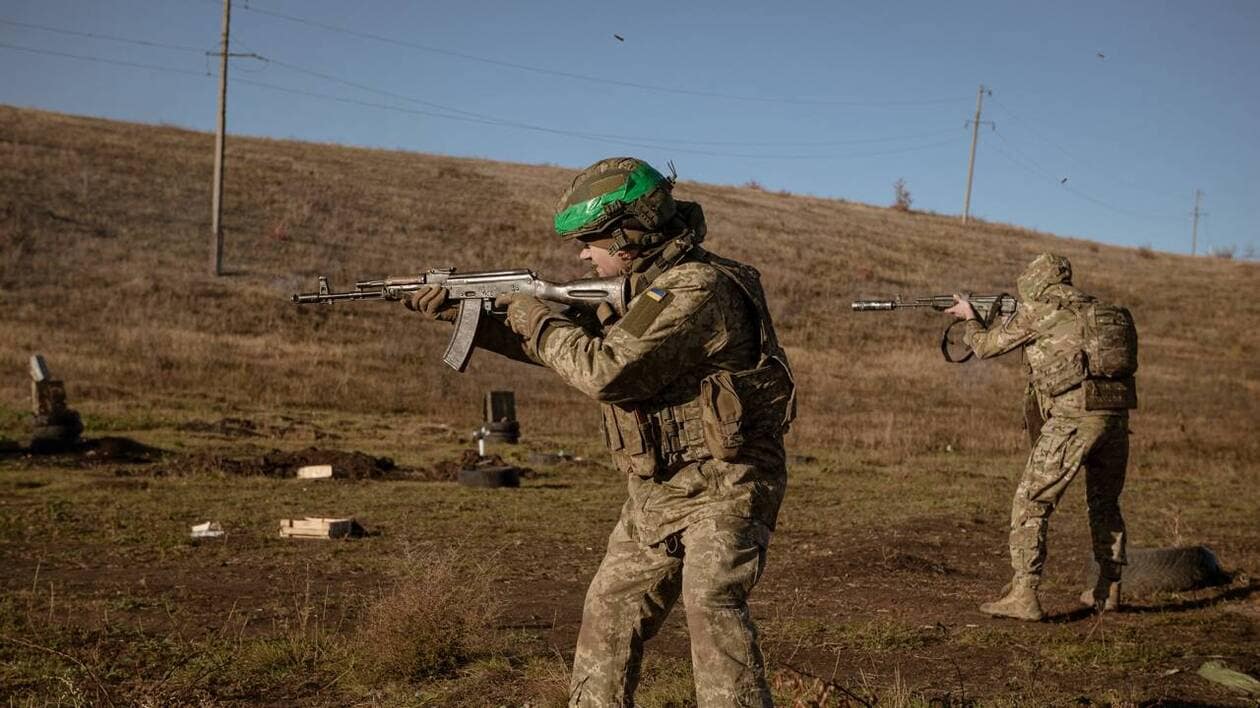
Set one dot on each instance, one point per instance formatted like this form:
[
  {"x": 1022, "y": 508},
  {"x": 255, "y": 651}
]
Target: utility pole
[
  {"x": 971, "y": 163},
  {"x": 1194, "y": 230},
  {"x": 216, "y": 216}
]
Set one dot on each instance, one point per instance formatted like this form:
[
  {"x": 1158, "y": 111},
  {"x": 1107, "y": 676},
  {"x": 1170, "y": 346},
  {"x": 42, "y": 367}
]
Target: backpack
[{"x": 1109, "y": 340}]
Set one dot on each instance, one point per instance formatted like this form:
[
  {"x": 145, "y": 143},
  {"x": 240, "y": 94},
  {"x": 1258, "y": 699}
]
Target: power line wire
[
  {"x": 103, "y": 60},
  {"x": 1027, "y": 124},
  {"x": 631, "y": 139},
  {"x": 601, "y": 80},
  {"x": 592, "y": 137},
  {"x": 796, "y": 143},
  {"x": 371, "y": 89},
  {"x": 1036, "y": 166},
  {"x": 1033, "y": 167},
  {"x": 111, "y": 38},
  {"x": 449, "y": 113}
]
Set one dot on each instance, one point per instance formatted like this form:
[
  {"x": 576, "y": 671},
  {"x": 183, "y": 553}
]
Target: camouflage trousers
[
  {"x": 1100, "y": 446},
  {"x": 713, "y": 565}
]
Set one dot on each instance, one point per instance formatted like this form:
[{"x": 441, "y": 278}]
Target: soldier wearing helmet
[
  {"x": 1080, "y": 356},
  {"x": 695, "y": 395}
]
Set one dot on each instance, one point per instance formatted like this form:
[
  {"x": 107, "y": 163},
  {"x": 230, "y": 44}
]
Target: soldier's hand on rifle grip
[
  {"x": 525, "y": 314},
  {"x": 432, "y": 302},
  {"x": 962, "y": 309}
]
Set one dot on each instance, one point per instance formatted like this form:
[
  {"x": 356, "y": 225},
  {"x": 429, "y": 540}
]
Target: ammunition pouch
[
  {"x": 1059, "y": 375},
  {"x": 678, "y": 433},
  {"x": 1110, "y": 394},
  {"x": 736, "y": 407},
  {"x": 654, "y": 441},
  {"x": 733, "y": 409}
]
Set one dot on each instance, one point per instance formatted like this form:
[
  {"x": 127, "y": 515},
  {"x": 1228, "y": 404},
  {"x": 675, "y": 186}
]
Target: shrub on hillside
[
  {"x": 439, "y": 614},
  {"x": 901, "y": 196}
]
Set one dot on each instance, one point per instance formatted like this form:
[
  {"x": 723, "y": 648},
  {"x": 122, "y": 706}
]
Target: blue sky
[{"x": 1106, "y": 116}]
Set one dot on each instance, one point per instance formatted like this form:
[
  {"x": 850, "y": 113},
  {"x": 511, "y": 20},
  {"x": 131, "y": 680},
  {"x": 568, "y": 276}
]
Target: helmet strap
[
  {"x": 620, "y": 242},
  {"x": 643, "y": 240},
  {"x": 668, "y": 256}
]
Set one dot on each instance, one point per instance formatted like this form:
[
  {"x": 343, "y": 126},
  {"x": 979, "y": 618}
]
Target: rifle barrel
[
  {"x": 309, "y": 298},
  {"x": 866, "y": 305}
]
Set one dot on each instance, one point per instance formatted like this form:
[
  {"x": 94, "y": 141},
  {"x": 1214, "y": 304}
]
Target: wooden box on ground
[
  {"x": 316, "y": 527},
  {"x": 315, "y": 472}
]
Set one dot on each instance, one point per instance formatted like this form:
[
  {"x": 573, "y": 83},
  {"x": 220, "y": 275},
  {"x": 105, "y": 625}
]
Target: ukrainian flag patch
[{"x": 645, "y": 311}]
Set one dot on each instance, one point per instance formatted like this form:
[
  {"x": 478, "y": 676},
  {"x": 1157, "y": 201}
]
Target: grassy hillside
[
  {"x": 104, "y": 266},
  {"x": 893, "y": 530}
]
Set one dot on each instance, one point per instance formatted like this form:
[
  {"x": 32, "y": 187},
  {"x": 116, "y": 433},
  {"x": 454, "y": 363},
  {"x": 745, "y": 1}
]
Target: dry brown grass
[
  {"x": 103, "y": 228},
  {"x": 439, "y": 614},
  {"x": 103, "y": 260}
]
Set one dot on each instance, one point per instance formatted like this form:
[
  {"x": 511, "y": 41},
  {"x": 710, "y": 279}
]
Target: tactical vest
[
  {"x": 1089, "y": 344},
  {"x": 736, "y": 406},
  {"x": 727, "y": 409}
]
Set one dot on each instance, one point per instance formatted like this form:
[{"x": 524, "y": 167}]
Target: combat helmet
[{"x": 611, "y": 191}]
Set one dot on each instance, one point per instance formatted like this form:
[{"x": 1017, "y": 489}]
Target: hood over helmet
[{"x": 1046, "y": 270}]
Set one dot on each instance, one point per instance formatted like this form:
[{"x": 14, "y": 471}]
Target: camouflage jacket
[
  {"x": 1049, "y": 335},
  {"x": 645, "y": 370}
]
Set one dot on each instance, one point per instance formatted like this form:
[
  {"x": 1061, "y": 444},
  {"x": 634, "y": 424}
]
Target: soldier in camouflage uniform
[
  {"x": 695, "y": 396},
  {"x": 1081, "y": 430}
]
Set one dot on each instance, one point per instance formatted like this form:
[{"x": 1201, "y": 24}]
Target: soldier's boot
[
  {"x": 1104, "y": 596},
  {"x": 1020, "y": 601}
]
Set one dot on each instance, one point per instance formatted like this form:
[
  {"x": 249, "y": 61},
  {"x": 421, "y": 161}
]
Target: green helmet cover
[{"x": 612, "y": 189}]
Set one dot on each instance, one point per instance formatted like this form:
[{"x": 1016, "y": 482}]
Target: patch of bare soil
[
  {"x": 910, "y": 563},
  {"x": 448, "y": 470},
  {"x": 235, "y": 428},
  {"x": 93, "y": 452},
  {"x": 346, "y": 464},
  {"x": 279, "y": 463},
  {"x": 226, "y": 427}
]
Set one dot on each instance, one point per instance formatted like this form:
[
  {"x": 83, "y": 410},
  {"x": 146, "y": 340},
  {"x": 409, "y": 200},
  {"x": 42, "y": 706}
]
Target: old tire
[
  {"x": 490, "y": 477},
  {"x": 47, "y": 439},
  {"x": 1152, "y": 570},
  {"x": 58, "y": 432}
]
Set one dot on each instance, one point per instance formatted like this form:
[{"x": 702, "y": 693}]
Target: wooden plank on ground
[{"x": 319, "y": 527}]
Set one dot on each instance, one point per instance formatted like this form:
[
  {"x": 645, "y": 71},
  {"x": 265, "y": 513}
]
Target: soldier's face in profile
[{"x": 606, "y": 264}]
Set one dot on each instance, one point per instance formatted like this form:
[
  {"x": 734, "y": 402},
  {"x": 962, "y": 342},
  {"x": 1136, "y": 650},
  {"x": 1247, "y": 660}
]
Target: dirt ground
[
  {"x": 892, "y": 532},
  {"x": 870, "y": 595}
]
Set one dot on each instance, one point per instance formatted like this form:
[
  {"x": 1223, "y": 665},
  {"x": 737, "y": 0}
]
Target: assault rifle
[
  {"x": 988, "y": 308},
  {"x": 476, "y": 293}
]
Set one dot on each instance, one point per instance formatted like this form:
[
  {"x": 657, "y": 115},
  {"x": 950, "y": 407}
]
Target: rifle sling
[{"x": 987, "y": 321}]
